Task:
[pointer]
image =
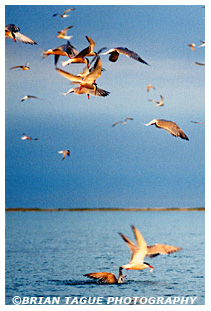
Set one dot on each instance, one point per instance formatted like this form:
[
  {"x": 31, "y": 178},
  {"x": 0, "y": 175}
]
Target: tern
[
  {"x": 65, "y": 13},
  {"x": 170, "y": 126},
  {"x": 29, "y": 96},
  {"x": 26, "y": 67},
  {"x": 89, "y": 91},
  {"x": 63, "y": 33},
  {"x": 81, "y": 57},
  {"x": 65, "y": 153},
  {"x": 123, "y": 122},
  {"x": 12, "y": 32},
  {"x": 141, "y": 250},
  {"x": 192, "y": 46},
  {"x": 202, "y": 45},
  {"x": 25, "y": 137},
  {"x": 150, "y": 87},
  {"x": 197, "y": 122},
  {"x": 107, "y": 277},
  {"x": 114, "y": 54},
  {"x": 200, "y": 64},
  {"x": 159, "y": 103},
  {"x": 62, "y": 50}
]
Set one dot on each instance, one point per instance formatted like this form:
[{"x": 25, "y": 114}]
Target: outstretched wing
[
  {"x": 172, "y": 128},
  {"x": 128, "y": 53},
  {"x": 129, "y": 243},
  {"x": 116, "y": 123},
  {"x": 102, "y": 276},
  {"x": 69, "y": 76},
  {"x": 68, "y": 10},
  {"x": 138, "y": 254},
  {"x": 157, "y": 249},
  {"x": 141, "y": 243},
  {"x": 95, "y": 73},
  {"x": 16, "y": 67},
  {"x": 24, "y": 39},
  {"x": 91, "y": 42}
]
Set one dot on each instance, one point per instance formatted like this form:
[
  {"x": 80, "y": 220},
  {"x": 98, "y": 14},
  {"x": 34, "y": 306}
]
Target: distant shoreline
[{"x": 130, "y": 209}]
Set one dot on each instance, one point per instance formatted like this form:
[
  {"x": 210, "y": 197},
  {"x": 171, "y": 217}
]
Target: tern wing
[
  {"x": 95, "y": 73},
  {"x": 91, "y": 42},
  {"x": 24, "y": 39},
  {"x": 116, "y": 123},
  {"x": 129, "y": 243},
  {"x": 68, "y": 10},
  {"x": 32, "y": 96},
  {"x": 64, "y": 31},
  {"x": 16, "y": 67},
  {"x": 131, "y": 54},
  {"x": 69, "y": 76},
  {"x": 128, "y": 119},
  {"x": 141, "y": 249},
  {"x": 141, "y": 243},
  {"x": 102, "y": 276},
  {"x": 197, "y": 122},
  {"x": 172, "y": 128},
  {"x": 157, "y": 249},
  {"x": 154, "y": 101}
]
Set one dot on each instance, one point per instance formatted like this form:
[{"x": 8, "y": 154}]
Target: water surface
[{"x": 47, "y": 254}]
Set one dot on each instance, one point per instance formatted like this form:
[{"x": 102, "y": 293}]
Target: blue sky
[{"x": 122, "y": 166}]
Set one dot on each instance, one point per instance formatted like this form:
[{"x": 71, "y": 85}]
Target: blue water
[{"x": 47, "y": 254}]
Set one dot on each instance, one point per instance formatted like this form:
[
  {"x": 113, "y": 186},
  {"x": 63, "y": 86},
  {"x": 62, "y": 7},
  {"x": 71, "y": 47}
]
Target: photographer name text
[{"x": 17, "y": 300}]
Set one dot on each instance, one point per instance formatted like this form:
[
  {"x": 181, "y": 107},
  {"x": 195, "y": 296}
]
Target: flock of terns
[{"x": 86, "y": 81}]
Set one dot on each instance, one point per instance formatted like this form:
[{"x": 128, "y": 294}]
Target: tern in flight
[
  {"x": 88, "y": 91},
  {"x": 140, "y": 250},
  {"x": 150, "y": 87},
  {"x": 114, "y": 54},
  {"x": 159, "y": 103},
  {"x": 65, "y": 153},
  {"x": 170, "y": 126},
  {"x": 192, "y": 46},
  {"x": 65, "y": 13},
  {"x": 200, "y": 64},
  {"x": 26, "y": 67},
  {"x": 62, "y": 50},
  {"x": 63, "y": 33},
  {"x": 29, "y": 96},
  {"x": 107, "y": 277},
  {"x": 197, "y": 122},
  {"x": 25, "y": 137},
  {"x": 123, "y": 122},
  {"x": 12, "y": 32},
  {"x": 202, "y": 45}
]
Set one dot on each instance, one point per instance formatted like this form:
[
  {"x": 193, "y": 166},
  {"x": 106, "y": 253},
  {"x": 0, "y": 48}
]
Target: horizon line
[{"x": 112, "y": 209}]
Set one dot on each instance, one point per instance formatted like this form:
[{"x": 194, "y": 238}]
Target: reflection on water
[{"x": 47, "y": 255}]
